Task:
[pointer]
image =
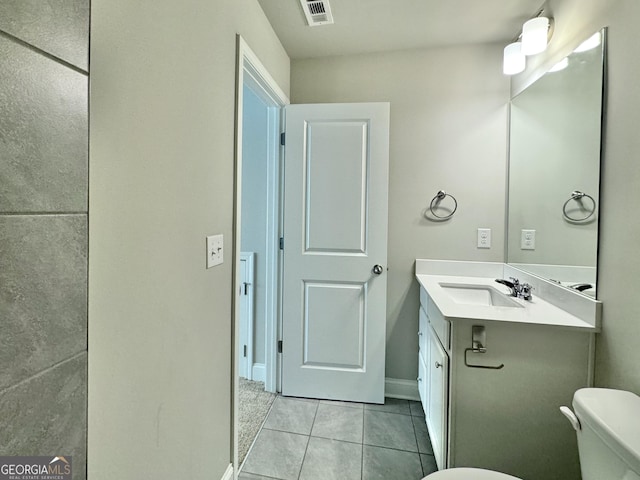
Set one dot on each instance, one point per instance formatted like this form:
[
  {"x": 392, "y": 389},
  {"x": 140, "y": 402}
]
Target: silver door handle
[
  {"x": 377, "y": 269},
  {"x": 438, "y": 364}
]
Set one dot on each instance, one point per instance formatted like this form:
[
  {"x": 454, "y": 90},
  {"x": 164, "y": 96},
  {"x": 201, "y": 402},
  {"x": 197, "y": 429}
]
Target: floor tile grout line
[
  {"x": 315, "y": 414},
  {"x": 362, "y": 457},
  {"x": 362, "y": 448},
  {"x": 258, "y": 475},
  {"x": 421, "y": 464},
  {"x": 285, "y": 431},
  {"x": 415, "y": 437},
  {"x": 391, "y": 448},
  {"x": 362, "y": 433},
  {"x": 335, "y": 439}
]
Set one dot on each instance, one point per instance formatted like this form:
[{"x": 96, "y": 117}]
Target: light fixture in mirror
[
  {"x": 554, "y": 152},
  {"x": 592, "y": 42},
  {"x": 561, "y": 65},
  {"x": 514, "y": 60}
]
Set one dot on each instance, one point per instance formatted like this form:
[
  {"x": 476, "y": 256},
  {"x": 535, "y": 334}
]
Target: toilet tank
[{"x": 609, "y": 434}]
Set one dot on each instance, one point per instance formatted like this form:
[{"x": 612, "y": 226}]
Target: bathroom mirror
[{"x": 554, "y": 170}]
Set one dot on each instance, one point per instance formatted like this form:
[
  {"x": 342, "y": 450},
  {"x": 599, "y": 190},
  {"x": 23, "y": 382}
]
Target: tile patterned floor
[{"x": 324, "y": 440}]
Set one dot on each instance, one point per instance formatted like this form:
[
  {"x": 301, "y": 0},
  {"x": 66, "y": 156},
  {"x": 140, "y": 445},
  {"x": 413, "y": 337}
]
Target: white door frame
[{"x": 251, "y": 72}]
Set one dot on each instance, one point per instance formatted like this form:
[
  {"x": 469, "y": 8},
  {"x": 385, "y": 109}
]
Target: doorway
[
  {"x": 259, "y": 103},
  {"x": 335, "y": 325}
]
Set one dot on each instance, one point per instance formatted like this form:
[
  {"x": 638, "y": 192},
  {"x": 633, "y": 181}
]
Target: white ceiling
[{"x": 364, "y": 26}]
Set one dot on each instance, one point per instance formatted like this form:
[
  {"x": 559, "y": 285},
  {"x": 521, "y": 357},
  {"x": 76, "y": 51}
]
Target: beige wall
[
  {"x": 161, "y": 179},
  {"x": 448, "y": 131},
  {"x": 617, "y": 355}
]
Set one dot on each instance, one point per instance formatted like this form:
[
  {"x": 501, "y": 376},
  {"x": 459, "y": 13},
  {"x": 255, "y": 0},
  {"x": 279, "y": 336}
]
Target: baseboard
[
  {"x": 228, "y": 474},
  {"x": 398, "y": 388},
  {"x": 258, "y": 372}
]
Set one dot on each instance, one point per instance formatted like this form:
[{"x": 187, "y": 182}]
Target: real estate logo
[{"x": 35, "y": 468}]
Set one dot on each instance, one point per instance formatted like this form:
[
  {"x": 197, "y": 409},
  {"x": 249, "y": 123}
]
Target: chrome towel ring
[
  {"x": 577, "y": 195},
  {"x": 435, "y": 203}
]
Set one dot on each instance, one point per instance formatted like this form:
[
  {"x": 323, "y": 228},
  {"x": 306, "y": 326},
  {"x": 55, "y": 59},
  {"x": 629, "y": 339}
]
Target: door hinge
[
  {"x": 282, "y": 138},
  {"x": 245, "y": 288},
  {"x": 279, "y": 346},
  {"x": 244, "y": 351},
  {"x": 281, "y": 243}
]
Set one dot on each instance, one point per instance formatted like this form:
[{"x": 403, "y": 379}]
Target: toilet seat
[{"x": 469, "y": 474}]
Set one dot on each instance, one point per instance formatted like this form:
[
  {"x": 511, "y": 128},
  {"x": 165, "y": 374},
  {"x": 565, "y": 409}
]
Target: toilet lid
[{"x": 468, "y": 474}]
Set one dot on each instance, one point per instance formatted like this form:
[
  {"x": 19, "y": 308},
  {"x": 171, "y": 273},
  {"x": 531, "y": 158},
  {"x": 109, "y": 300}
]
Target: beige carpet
[{"x": 253, "y": 406}]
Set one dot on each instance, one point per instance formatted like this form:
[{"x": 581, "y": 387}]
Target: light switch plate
[
  {"x": 484, "y": 238},
  {"x": 527, "y": 239},
  {"x": 215, "y": 250}
]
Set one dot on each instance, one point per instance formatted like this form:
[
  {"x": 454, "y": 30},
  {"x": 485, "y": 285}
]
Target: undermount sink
[{"x": 485, "y": 295}]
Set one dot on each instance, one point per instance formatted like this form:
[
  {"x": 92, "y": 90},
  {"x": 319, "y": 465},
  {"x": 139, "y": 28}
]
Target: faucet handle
[
  {"x": 525, "y": 291},
  {"x": 514, "y": 280}
]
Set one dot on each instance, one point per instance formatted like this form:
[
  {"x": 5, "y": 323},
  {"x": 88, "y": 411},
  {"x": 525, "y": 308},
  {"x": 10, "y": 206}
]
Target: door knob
[
  {"x": 377, "y": 269},
  {"x": 438, "y": 364}
]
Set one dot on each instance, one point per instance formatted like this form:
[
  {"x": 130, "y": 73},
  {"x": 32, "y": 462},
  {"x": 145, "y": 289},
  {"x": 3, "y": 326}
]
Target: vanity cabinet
[{"x": 504, "y": 419}]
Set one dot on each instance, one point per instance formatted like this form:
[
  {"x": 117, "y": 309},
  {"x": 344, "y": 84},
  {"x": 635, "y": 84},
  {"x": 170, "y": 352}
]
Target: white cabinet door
[
  {"x": 335, "y": 251},
  {"x": 423, "y": 357},
  {"x": 422, "y": 333},
  {"x": 423, "y": 382},
  {"x": 437, "y": 368}
]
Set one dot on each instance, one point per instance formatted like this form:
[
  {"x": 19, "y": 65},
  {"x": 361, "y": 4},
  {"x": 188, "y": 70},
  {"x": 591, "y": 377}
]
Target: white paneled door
[{"x": 335, "y": 251}]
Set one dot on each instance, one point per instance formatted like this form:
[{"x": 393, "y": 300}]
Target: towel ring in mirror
[{"x": 577, "y": 195}]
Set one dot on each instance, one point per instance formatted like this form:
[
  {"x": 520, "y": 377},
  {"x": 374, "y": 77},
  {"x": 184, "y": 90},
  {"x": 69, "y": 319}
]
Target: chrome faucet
[
  {"x": 514, "y": 285},
  {"x": 519, "y": 290}
]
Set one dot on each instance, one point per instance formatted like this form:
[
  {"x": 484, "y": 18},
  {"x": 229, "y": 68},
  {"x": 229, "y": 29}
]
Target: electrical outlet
[
  {"x": 215, "y": 250},
  {"x": 527, "y": 240},
  {"x": 484, "y": 238}
]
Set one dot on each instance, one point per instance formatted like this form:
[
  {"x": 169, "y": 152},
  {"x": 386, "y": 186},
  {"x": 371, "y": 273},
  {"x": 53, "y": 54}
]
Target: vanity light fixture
[
  {"x": 535, "y": 35},
  {"x": 590, "y": 43},
  {"x": 514, "y": 60},
  {"x": 533, "y": 40}
]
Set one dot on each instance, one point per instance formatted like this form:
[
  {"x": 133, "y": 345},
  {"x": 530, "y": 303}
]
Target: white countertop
[{"x": 537, "y": 311}]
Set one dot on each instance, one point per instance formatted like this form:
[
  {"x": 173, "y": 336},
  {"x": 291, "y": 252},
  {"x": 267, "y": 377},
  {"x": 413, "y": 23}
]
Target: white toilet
[{"x": 607, "y": 424}]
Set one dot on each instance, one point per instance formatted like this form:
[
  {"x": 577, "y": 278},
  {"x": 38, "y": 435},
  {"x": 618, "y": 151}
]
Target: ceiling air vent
[{"x": 318, "y": 12}]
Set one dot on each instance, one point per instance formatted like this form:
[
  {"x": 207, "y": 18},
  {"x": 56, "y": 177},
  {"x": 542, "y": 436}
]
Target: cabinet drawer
[
  {"x": 422, "y": 332},
  {"x": 441, "y": 326}
]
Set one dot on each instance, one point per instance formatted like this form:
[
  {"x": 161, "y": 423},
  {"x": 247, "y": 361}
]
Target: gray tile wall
[
  {"x": 43, "y": 228},
  {"x": 43, "y": 139},
  {"x": 59, "y": 28}
]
